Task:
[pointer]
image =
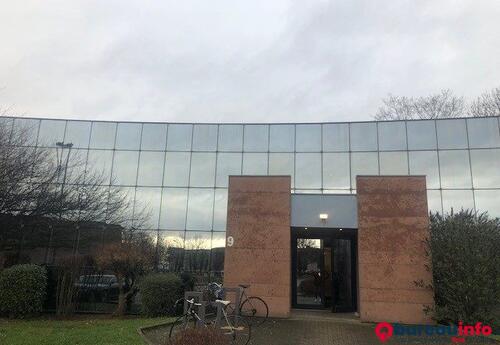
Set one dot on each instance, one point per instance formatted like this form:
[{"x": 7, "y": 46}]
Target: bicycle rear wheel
[
  {"x": 255, "y": 309},
  {"x": 182, "y": 323},
  {"x": 239, "y": 331}
]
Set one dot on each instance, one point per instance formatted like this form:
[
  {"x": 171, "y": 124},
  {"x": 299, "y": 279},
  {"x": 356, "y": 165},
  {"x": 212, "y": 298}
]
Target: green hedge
[
  {"x": 159, "y": 291},
  {"x": 23, "y": 289}
]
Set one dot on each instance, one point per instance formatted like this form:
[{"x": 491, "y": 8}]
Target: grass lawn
[{"x": 89, "y": 331}]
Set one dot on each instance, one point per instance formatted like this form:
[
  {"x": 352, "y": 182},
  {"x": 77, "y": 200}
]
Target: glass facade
[{"x": 179, "y": 172}]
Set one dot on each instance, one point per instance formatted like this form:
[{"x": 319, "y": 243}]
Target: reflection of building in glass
[{"x": 179, "y": 173}]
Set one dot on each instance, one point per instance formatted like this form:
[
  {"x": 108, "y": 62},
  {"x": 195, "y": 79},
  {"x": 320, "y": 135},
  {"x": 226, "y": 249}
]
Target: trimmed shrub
[
  {"x": 200, "y": 336},
  {"x": 159, "y": 291},
  {"x": 23, "y": 289},
  {"x": 464, "y": 249}
]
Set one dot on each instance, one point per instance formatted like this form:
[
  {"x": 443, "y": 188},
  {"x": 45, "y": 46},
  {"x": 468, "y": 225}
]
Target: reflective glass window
[
  {"x": 76, "y": 166},
  {"x": 154, "y": 136},
  {"x": 205, "y": 138},
  {"x": 125, "y": 168},
  {"x": 102, "y": 135},
  {"x": 488, "y": 201},
  {"x": 485, "y": 168},
  {"x": 227, "y": 164},
  {"x": 256, "y": 138},
  {"x": 150, "y": 168},
  {"x": 336, "y": 137},
  {"x": 392, "y": 135},
  {"x": 147, "y": 207},
  {"x": 434, "y": 201},
  {"x": 336, "y": 173},
  {"x": 173, "y": 208},
  {"x": 220, "y": 209},
  {"x": 197, "y": 251},
  {"x": 218, "y": 246},
  {"x": 425, "y": 163},
  {"x": 6, "y": 126},
  {"x": 308, "y": 138},
  {"x": 126, "y": 216},
  {"x": 282, "y": 138},
  {"x": 200, "y": 209},
  {"x": 128, "y": 136},
  {"x": 393, "y": 163},
  {"x": 457, "y": 200},
  {"x": 177, "y": 169},
  {"x": 421, "y": 135},
  {"x": 363, "y": 163},
  {"x": 51, "y": 132},
  {"x": 29, "y": 127},
  {"x": 171, "y": 249},
  {"x": 78, "y": 133},
  {"x": 282, "y": 164},
  {"x": 99, "y": 163},
  {"x": 179, "y": 137},
  {"x": 455, "y": 169},
  {"x": 483, "y": 132},
  {"x": 363, "y": 136},
  {"x": 452, "y": 134},
  {"x": 202, "y": 170},
  {"x": 255, "y": 164},
  {"x": 308, "y": 170},
  {"x": 230, "y": 138}
]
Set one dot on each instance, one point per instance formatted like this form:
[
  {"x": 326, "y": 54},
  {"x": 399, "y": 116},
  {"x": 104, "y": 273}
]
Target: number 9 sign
[{"x": 230, "y": 241}]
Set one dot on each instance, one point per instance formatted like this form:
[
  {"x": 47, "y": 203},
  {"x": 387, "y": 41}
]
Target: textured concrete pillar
[
  {"x": 258, "y": 219},
  {"x": 393, "y": 224}
]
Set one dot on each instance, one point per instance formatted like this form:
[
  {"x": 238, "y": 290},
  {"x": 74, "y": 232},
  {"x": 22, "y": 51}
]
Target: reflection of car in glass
[{"x": 98, "y": 287}]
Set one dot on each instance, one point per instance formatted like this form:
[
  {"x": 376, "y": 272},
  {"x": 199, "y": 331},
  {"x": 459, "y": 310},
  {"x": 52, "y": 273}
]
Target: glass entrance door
[{"x": 309, "y": 272}]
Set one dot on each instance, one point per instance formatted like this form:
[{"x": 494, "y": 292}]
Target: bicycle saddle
[
  {"x": 244, "y": 286},
  {"x": 224, "y": 303}
]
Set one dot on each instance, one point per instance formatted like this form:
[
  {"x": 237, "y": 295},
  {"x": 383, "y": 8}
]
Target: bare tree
[
  {"x": 435, "y": 106},
  {"x": 487, "y": 104}
]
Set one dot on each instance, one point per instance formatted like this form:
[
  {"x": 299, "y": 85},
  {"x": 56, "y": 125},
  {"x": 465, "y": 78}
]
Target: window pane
[
  {"x": 282, "y": 164},
  {"x": 51, "y": 132},
  {"x": 455, "y": 170},
  {"x": 154, "y": 136},
  {"x": 255, "y": 164},
  {"x": 177, "y": 169},
  {"x": 171, "y": 245},
  {"x": 102, "y": 135},
  {"x": 99, "y": 162},
  {"x": 202, "y": 170},
  {"x": 147, "y": 207},
  {"x": 227, "y": 164},
  {"x": 205, "y": 138},
  {"x": 483, "y": 132},
  {"x": 173, "y": 208},
  {"x": 336, "y": 170},
  {"x": 200, "y": 209},
  {"x": 488, "y": 201},
  {"x": 485, "y": 168},
  {"x": 220, "y": 210},
  {"x": 308, "y": 170},
  {"x": 197, "y": 252},
  {"x": 128, "y": 136},
  {"x": 151, "y": 168},
  {"x": 230, "y": 138},
  {"x": 217, "y": 259},
  {"x": 256, "y": 138},
  {"x": 434, "y": 201},
  {"x": 421, "y": 135},
  {"x": 393, "y": 163},
  {"x": 392, "y": 136},
  {"x": 425, "y": 163},
  {"x": 363, "y": 136},
  {"x": 365, "y": 163},
  {"x": 30, "y": 128},
  {"x": 282, "y": 138},
  {"x": 125, "y": 168},
  {"x": 179, "y": 137},
  {"x": 308, "y": 138},
  {"x": 78, "y": 133},
  {"x": 336, "y": 137},
  {"x": 452, "y": 134},
  {"x": 457, "y": 200}
]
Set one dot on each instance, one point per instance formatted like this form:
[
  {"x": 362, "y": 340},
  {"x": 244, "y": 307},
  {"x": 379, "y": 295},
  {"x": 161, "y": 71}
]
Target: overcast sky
[{"x": 240, "y": 61}]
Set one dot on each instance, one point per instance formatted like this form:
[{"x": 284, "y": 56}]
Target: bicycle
[
  {"x": 239, "y": 331},
  {"x": 252, "y": 307}
]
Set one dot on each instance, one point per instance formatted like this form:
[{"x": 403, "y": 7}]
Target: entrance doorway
[{"x": 324, "y": 269}]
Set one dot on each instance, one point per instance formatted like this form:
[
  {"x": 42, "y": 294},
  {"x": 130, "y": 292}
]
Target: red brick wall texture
[
  {"x": 393, "y": 223},
  {"x": 258, "y": 218}
]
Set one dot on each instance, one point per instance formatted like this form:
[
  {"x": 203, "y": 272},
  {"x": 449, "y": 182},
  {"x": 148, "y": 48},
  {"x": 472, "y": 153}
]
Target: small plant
[
  {"x": 159, "y": 292},
  {"x": 23, "y": 289},
  {"x": 200, "y": 336}
]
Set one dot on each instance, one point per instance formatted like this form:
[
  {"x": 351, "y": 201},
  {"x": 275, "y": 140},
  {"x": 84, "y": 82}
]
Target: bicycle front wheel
[
  {"x": 182, "y": 323},
  {"x": 238, "y": 331},
  {"x": 255, "y": 309}
]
